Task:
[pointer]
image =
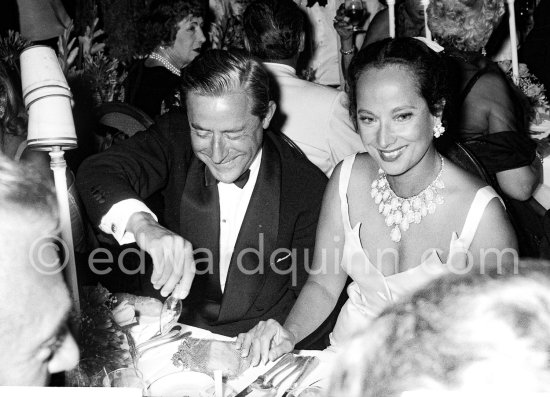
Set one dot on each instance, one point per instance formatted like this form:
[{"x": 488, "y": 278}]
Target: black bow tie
[{"x": 209, "y": 179}]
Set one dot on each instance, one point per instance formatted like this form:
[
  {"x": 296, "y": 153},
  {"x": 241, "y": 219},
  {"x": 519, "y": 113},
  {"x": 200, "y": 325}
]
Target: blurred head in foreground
[
  {"x": 461, "y": 333},
  {"x": 34, "y": 301}
]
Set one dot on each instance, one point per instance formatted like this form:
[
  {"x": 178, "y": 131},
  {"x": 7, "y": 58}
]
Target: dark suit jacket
[{"x": 282, "y": 214}]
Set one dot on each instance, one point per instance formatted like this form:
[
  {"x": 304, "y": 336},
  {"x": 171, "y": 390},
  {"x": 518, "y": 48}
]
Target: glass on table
[
  {"x": 89, "y": 372},
  {"x": 125, "y": 377}
]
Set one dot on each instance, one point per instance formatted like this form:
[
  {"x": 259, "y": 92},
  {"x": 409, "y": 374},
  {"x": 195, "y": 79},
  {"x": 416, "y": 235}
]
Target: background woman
[
  {"x": 171, "y": 37},
  {"x": 489, "y": 112},
  {"x": 397, "y": 216}
]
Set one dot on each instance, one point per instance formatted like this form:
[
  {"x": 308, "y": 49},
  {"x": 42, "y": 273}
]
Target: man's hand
[
  {"x": 174, "y": 267},
  {"x": 268, "y": 340}
]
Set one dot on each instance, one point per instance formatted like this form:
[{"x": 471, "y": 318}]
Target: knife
[
  {"x": 308, "y": 366},
  {"x": 283, "y": 362}
]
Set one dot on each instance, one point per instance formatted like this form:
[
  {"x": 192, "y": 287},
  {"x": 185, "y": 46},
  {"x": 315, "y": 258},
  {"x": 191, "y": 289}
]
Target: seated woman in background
[
  {"x": 397, "y": 216},
  {"x": 487, "y": 113},
  {"x": 171, "y": 37}
]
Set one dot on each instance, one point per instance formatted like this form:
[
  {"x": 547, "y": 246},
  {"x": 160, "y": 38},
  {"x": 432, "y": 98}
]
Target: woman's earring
[{"x": 438, "y": 129}]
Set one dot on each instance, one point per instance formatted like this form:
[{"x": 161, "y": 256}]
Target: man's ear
[
  {"x": 269, "y": 115},
  {"x": 302, "y": 46}
]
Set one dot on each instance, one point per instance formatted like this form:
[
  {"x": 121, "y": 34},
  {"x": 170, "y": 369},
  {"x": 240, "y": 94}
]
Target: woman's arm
[
  {"x": 269, "y": 340},
  {"x": 495, "y": 241},
  {"x": 503, "y": 115}
]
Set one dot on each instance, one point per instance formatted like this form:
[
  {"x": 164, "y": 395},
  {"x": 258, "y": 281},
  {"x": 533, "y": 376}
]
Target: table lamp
[{"x": 47, "y": 98}]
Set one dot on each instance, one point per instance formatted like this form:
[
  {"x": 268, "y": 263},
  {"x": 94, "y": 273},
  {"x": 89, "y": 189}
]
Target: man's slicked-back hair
[
  {"x": 218, "y": 72},
  {"x": 273, "y": 29}
]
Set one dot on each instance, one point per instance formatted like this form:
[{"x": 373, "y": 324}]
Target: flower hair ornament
[{"x": 438, "y": 129}]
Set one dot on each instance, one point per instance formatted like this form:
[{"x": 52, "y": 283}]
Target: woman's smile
[{"x": 391, "y": 155}]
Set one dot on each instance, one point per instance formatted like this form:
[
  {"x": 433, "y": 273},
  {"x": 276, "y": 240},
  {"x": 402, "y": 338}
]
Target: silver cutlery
[
  {"x": 170, "y": 337},
  {"x": 277, "y": 380},
  {"x": 170, "y": 313},
  {"x": 286, "y": 360},
  {"x": 308, "y": 366}
]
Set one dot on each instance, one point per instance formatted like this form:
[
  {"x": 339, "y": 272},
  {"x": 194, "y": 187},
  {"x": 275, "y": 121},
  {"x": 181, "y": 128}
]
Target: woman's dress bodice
[{"x": 371, "y": 291}]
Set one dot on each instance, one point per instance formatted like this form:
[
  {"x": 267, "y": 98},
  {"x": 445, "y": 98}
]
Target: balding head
[{"x": 34, "y": 301}]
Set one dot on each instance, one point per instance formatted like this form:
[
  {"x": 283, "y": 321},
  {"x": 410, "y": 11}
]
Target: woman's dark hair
[
  {"x": 219, "y": 72},
  {"x": 160, "y": 25},
  {"x": 428, "y": 68},
  {"x": 13, "y": 117}
]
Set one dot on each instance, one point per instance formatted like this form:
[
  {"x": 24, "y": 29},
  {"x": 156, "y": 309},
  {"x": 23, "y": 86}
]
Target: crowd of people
[{"x": 306, "y": 214}]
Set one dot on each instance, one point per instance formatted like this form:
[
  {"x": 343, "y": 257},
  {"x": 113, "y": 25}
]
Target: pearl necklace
[
  {"x": 400, "y": 212},
  {"x": 165, "y": 62}
]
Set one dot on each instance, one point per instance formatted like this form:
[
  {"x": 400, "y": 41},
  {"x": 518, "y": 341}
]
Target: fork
[{"x": 272, "y": 384}]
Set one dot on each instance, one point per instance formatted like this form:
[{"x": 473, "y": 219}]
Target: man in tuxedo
[
  {"x": 238, "y": 252},
  {"x": 314, "y": 116}
]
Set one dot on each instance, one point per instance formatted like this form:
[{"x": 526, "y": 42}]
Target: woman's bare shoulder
[{"x": 460, "y": 182}]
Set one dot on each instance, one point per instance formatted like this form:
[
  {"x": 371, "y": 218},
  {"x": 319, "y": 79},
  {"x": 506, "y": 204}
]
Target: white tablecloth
[{"x": 158, "y": 362}]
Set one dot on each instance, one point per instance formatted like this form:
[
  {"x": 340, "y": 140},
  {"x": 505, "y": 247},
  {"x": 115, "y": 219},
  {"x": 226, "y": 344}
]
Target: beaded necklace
[
  {"x": 165, "y": 62},
  {"x": 400, "y": 212}
]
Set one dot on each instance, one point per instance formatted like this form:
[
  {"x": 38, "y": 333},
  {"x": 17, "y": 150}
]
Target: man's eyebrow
[{"x": 199, "y": 127}]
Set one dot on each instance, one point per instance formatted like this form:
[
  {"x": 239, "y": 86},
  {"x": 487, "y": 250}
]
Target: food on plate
[
  {"x": 124, "y": 313},
  {"x": 143, "y": 305},
  {"x": 206, "y": 356}
]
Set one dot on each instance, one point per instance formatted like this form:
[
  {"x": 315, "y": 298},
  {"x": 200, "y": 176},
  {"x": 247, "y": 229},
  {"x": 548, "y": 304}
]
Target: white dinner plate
[{"x": 179, "y": 384}]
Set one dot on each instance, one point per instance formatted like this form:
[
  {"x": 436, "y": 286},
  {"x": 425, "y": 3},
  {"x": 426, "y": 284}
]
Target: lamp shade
[{"x": 47, "y": 98}]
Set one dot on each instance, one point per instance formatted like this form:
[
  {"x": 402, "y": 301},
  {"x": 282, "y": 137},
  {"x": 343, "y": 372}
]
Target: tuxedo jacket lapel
[
  {"x": 200, "y": 224},
  {"x": 256, "y": 240}
]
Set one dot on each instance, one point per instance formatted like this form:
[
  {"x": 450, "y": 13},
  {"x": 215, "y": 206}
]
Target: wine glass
[
  {"x": 355, "y": 13},
  {"x": 125, "y": 377},
  {"x": 170, "y": 314}
]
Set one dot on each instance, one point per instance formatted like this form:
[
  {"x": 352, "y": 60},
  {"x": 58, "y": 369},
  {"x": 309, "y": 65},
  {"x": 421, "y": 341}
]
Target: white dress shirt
[
  {"x": 316, "y": 118},
  {"x": 233, "y": 205}
]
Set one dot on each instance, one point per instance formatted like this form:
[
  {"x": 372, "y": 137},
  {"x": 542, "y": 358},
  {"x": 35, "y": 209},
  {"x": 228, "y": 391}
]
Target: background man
[
  {"x": 241, "y": 234},
  {"x": 315, "y": 117},
  {"x": 34, "y": 301}
]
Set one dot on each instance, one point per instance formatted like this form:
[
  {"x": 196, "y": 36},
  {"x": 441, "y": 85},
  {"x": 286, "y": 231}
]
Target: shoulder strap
[
  {"x": 470, "y": 85},
  {"x": 345, "y": 174},
  {"x": 480, "y": 202}
]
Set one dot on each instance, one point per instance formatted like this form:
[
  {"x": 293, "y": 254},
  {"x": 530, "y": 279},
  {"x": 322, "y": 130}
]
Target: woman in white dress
[{"x": 395, "y": 217}]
